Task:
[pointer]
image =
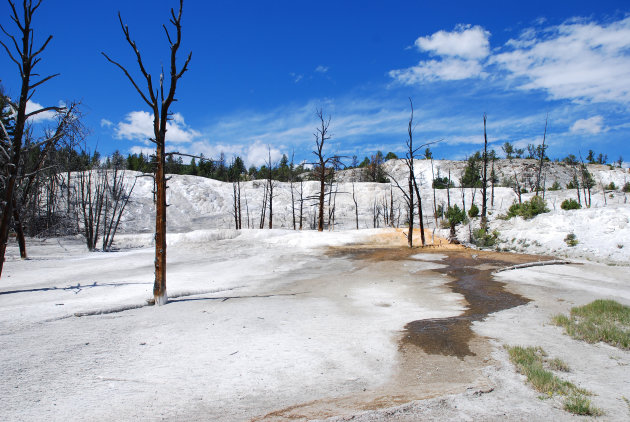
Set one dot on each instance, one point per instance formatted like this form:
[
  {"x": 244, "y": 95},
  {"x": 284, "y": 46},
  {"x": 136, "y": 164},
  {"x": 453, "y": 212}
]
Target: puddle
[{"x": 471, "y": 275}]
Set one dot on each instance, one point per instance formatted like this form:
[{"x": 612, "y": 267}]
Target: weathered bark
[
  {"x": 415, "y": 184},
  {"x": 321, "y": 136},
  {"x": 301, "y": 203},
  {"x": 411, "y": 211},
  {"x": 26, "y": 60},
  {"x": 160, "y": 105},
  {"x": 356, "y": 207},
  {"x": 542, "y": 158},
  {"x": 484, "y": 186}
]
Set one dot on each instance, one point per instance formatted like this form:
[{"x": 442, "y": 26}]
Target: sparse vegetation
[
  {"x": 528, "y": 209},
  {"x": 532, "y": 362},
  {"x": 443, "y": 183},
  {"x": 611, "y": 186},
  {"x": 473, "y": 211},
  {"x": 555, "y": 186},
  {"x": 601, "y": 320},
  {"x": 571, "y": 240},
  {"x": 483, "y": 238},
  {"x": 570, "y": 204},
  {"x": 626, "y": 187},
  {"x": 455, "y": 216}
]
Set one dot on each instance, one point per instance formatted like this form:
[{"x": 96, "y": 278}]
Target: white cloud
[
  {"x": 461, "y": 54},
  {"x": 296, "y": 77},
  {"x": 138, "y": 126},
  {"x": 44, "y": 116},
  {"x": 577, "y": 60},
  {"x": 258, "y": 154},
  {"x": 448, "y": 69},
  {"x": 467, "y": 42},
  {"x": 321, "y": 69},
  {"x": 592, "y": 125},
  {"x": 106, "y": 123}
]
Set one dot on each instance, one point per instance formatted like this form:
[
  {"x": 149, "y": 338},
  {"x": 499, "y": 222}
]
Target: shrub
[
  {"x": 528, "y": 209},
  {"x": 483, "y": 238},
  {"x": 473, "y": 211},
  {"x": 611, "y": 186},
  {"x": 626, "y": 187},
  {"x": 555, "y": 186},
  {"x": 442, "y": 183},
  {"x": 571, "y": 240},
  {"x": 570, "y": 204},
  {"x": 455, "y": 216}
]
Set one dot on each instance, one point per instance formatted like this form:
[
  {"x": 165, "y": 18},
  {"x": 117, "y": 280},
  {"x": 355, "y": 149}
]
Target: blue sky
[{"x": 261, "y": 69}]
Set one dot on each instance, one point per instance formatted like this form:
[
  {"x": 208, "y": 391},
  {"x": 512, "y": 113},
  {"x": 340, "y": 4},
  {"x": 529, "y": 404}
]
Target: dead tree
[
  {"x": 271, "y": 184},
  {"x": 541, "y": 158},
  {"x": 411, "y": 181},
  {"x": 117, "y": 197},
  {"x": 321, "y": 165},
  {"x": 301, "y": 203},
  {"x": 433, "y": 186},
  {"x": 34, "y": 163},
  {"x": 493, "y": 179},
  {"x": 291, "y": 182},
  {"x": 159, "y": 103},
  {"x": 484, "y": 186},
  {"x": 25, "y": 56},
  {"x": 356, "y": 206},
  {"x": 91, "y": 195},
  {"x": 263, "y": 208}
]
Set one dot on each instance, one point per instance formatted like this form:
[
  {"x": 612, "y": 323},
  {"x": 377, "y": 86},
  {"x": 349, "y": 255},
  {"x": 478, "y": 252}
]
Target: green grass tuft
[
  {"x": 580, "y": 405},
  {"x": 601, "y": 320},
  {"x": 531, "y": 362}
]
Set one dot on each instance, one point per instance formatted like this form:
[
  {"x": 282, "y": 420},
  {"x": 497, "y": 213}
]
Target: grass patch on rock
[
  {"x": 536, "y": 366},
  {"x": 601, "y": 320}
]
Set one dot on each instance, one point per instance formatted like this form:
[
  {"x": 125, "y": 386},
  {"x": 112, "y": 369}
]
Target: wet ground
[
  {"x": 437, "y": 356},
  {"x": 471, "y": 275}
]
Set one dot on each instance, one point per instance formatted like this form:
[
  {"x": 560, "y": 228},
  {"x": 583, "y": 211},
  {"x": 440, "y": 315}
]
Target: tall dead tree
[
  {"x": 154, "y": 97},
  {"x": 356, "y": 206},
  {"x": 411, "y": 181},
  {"x": 321, "y": 165},
  {"x": 25, "y": 55},
  {"x": 541, "y": 158},
  {"x": 484, "y": 186},
  {"x": 271, "y": 184},
  {"x": 291, "y": 182}
]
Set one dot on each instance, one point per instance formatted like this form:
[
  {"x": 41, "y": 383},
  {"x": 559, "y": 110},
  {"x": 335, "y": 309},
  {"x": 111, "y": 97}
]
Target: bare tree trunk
[
  {"x": 321, "y": 136},
  {"x": 433, "y": 186},
  {"x": 391, "y": 206},
  {"x": 160, "y": 105},
  {"x": 292, "y": 192},
  {"x": 301, "y": 203},
  {"x": 263, "y": 209},
  {"x": 485, "y": 173},
  {"x": 448, "y": 190},
  {"x": 19, "y": 232},
  {"x": 411, "y": 212},
  {"x": 356, "y": 207},
  {"x": 493, "y": 176},
  {"x": 542, "y": 158},
  {"x": 25, "y": 56},
  {"x": 415, "y": 184}
]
